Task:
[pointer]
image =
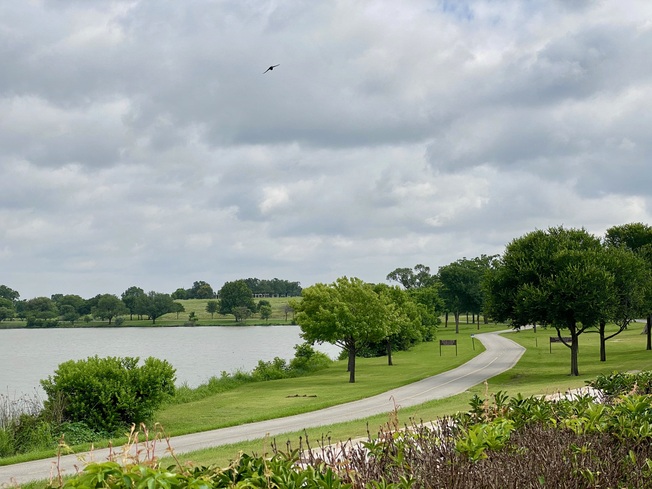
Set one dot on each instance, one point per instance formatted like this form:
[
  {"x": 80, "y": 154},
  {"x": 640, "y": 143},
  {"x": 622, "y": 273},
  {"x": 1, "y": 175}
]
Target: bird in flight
[{"x": 270, "y": 68}]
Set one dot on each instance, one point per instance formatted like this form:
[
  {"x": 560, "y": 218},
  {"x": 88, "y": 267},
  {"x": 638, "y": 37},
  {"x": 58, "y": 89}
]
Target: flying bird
[{"x": 270, "y": 68}]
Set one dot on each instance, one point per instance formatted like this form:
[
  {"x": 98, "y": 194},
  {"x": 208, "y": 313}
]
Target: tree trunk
[
  {"x": 649, "y": 332},
  {"x": 457, "y": 322},
  {"x": 389, "y": 353},
  {"x": 352, "y": 365},
  {"x": 603, "y": 342},
  {"x": 575, "y": 347},
  {"x": 446, "y": 320}
]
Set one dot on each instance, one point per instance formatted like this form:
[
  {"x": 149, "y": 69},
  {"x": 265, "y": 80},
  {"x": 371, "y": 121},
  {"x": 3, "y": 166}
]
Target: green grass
[
  {"x": 538, "y": 372},
  {"x": 267, "y": 400}
]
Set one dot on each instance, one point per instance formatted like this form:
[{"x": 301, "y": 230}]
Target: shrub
[{"x": 108, "y": 394}]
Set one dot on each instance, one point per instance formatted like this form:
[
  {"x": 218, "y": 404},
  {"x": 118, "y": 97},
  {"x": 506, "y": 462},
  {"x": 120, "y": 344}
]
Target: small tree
[
  {"x": 177, "y": 307},
  {"x": 265, "y": 312},
  {"x": 212, "y": 307},
  {"x": 241, "y": 314}
]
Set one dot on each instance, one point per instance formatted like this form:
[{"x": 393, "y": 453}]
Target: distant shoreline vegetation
[{"x": 248, "y": 301}]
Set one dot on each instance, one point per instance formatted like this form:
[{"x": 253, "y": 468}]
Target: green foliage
[
  {"x": 212, "y": 307},
  {"x": 108, "y": 306},
  {"x": 234, "y": 295},
  {"x": 617, "y": 383},
  {"x": 109, "y": 393},
  {"x": 281, "y": 471},
  {"x": 305, "y": 361},
  {"x": 348, "y": 313},
  {"x": 265, "y": 311},
  {"x": 477, "y": 439}
]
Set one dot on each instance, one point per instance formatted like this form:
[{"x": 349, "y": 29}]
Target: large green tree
[
  {"x": 157, "y": 304},
  {"x": 347, "y": 313},
  {"x": 236, "y": 294},
  {"x": 7, "y": 309},
  {"x": 405, "y": 323},
  {"x": 631, "y": 283},
  {"x": 9, "y": 293},
  {"x": 462, "y": 287},
  {"x": 555, "y": 277},
  {"x": 201, "y": 290},
  {"x": 40, "y": 312},
  {"x": 637, "y": 237},
  {"x": 109, "y": 306},
  {"x": 415, "y": 278},
  {"x": 131, "y": 298}
]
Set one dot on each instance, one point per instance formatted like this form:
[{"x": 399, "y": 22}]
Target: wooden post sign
[
  {"x": 447, "y": 343},
  {"x": 556, "y": 339}
]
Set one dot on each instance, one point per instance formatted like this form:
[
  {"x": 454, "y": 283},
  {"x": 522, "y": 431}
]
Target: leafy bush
[
  {"x": 618, "y": 383},
  {"x": 276, "y": 369},
  {"x": 110, "y": 393}
]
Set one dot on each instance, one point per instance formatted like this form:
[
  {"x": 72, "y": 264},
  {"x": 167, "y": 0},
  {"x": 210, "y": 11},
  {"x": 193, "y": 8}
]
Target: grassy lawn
[
  {"x": 538, "y": 372},
  {"x": 267, "y": 400}
]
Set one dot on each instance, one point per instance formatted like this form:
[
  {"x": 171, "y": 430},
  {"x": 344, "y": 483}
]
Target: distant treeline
[{"x": 259, "y": 288}]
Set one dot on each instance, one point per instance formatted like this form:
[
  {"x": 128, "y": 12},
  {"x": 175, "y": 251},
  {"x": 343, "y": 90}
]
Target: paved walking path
[{"x": 500, "y": 355}]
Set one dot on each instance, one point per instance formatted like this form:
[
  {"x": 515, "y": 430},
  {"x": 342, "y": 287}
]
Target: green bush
[
  {"x": 6, "y": 443},
  {"x": 108, "y": 394}
]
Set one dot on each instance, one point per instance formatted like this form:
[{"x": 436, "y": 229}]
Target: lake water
[{"x": 197, "y": 353}]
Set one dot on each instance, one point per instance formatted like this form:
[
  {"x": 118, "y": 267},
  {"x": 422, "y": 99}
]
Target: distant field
[{"x": 198, "y": 306}]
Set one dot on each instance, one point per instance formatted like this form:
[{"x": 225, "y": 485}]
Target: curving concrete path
[{"x": 500, "y": 355}]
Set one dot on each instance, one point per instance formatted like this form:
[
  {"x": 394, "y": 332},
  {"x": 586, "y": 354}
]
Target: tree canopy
[
  {"x": 555, "y": 277},
  {"x": 347, "y": 313},
  {"x": 234, "y": 295}
]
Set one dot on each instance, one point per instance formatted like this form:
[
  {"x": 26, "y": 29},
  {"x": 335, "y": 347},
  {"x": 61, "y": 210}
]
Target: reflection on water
[{"x": 197, "y": 353}]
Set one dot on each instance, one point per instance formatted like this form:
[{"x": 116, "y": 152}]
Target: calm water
[{"x": 198, "y": 353}]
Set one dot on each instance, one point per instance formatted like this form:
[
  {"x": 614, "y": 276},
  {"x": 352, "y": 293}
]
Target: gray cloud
[{"x": 141, "y": 144}]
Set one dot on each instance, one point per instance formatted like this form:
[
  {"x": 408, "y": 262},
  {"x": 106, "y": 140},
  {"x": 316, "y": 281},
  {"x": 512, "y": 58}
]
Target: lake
[{"x": 197, "y": 353}]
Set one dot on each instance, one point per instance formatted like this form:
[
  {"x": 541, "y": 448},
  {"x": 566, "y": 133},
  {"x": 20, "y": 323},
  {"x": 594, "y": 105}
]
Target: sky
[{"x": 142, "y": 144}]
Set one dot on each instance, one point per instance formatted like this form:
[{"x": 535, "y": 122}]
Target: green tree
[
  {"x": 236, "y": 294},
  {"x": 177, "y": 307},
  {"x": 555, "y": 277},
  {"x": 201, "y": 290},
  {"x": 7, "y": 309},
  {"x": 109, "y": 306},
  {"x": 347, "y": 313},
  {"x": 40, "y": 312},
  {"x": 180, "y": 294},
  {"x": 9, "y": 293},
  {"x": 631, "y": 282},
  {"x": 265, "y": 311},
  {"x": 157, "y": 304},
  {"x": 462, "y": 287},
  {"x": 241, "y": 313},
  {"x": 212, "y": 307},
  {"x": 638, "y": 238},
  {"x": 131, "y": 297},
  {"x": 415, "y": 278},
  {"x": 405, "y": 325}
]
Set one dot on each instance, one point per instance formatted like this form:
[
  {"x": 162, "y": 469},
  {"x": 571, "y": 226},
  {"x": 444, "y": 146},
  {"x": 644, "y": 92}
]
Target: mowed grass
[
  {"x": 328, "y": 387},
  {"x": 538, "y": 372},
  {"x": 198, "y": 306}
]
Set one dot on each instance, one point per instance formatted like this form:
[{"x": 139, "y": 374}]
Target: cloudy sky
[{"x": 141, "y": 143}]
